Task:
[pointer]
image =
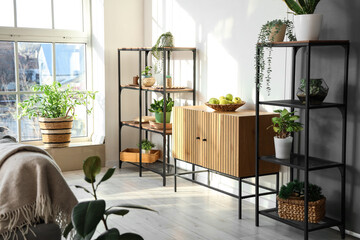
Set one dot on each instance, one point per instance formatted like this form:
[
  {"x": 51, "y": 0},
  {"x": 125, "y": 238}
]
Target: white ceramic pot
[
  {"x": 143, "y": 151},
  {"x": 283, "y": 147},
  {"x": 307, "y": 26}
]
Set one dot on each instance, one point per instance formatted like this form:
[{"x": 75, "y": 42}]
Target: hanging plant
[
  {"x": 269, "y": 33},
  {"x": 164, "y": 40}
]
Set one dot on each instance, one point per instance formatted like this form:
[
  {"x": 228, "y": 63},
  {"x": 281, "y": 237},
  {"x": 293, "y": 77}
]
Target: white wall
[{"x": 123, "y": 28}]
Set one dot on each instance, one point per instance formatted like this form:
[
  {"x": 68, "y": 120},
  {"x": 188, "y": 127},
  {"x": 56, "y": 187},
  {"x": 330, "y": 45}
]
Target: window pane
[
  {"x": 8, "y": 114},
  {"x": 34, "y": 13},
  {"x": 68, "y": 14},
  {"x": 7, "y": 67},
  {"x": 7, "y": 13},
  {"x": 35, "y": 64},
  {"x": 70, "y": 65},
  {"x": 79, "y": 124},
  {"x": 30, "y": 129}
]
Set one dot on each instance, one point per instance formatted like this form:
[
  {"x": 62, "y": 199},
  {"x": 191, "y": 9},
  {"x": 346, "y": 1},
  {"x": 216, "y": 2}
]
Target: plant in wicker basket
[{"x": 291, "y": 202}]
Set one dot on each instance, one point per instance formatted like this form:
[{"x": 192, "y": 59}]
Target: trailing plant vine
[
  {"x": 164, "y": 40},
  {"x": 264, "y": 42}
]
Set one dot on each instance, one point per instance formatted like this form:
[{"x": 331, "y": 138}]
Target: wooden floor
[{"x": 194, "y": 212}]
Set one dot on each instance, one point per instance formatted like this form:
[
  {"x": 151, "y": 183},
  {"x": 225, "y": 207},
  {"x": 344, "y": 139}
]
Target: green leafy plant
[
  {"x": 316, "y": 86},
  {"x": 87, "y": 215},
  {"x": 158, "y": 106},
  {"x": 146, "y": 145},
  {"x": 285, "y": 123},
  {"x": 51, "y": 101},
  {"x": 302, "y": 6},
  {"x": 265, "y": 39},
  {"x": 147, "y": 71},
  {"x": 164, "y": 40},
  {"x": 296, "y": 189}
]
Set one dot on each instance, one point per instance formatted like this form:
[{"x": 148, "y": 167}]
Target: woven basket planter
[
  {"x": 132, "y": 155},
  {"x": 56, "y": 132},
  {"x": 293, "y": 209}
]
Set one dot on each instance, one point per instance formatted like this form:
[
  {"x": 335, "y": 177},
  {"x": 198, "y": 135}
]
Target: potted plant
[
  {"x": 307, "y": 24},
  {"x": 291, "y": 202},
  {"x": 318, "y": 91},
  {"x": 146, "y": 146},
  {"x": 272, "y": 31},
  {"x": 87, "y": 215},
  {"x": 164, "y": 40},
  {"x": 283, "y": 126},
  {"x": 158, "y": 107},
  {"x": 146, "y": 77},
  {"x": 55, "y": 108}
]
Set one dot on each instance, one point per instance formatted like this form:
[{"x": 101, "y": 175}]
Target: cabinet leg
[
  {"x": 175, "y": 186},
  {"x": 240, "y": 199},
  {"x": 120, "y": 163}
]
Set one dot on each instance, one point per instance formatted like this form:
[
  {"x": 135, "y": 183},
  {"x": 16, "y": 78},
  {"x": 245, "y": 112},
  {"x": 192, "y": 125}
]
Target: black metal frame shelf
[
  {"x": 305, "y": 162},
  {"x": 143, "y": 107}
]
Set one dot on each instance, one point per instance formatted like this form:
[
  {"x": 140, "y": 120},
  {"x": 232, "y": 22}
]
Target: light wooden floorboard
[{"x": 194, "y": 212}]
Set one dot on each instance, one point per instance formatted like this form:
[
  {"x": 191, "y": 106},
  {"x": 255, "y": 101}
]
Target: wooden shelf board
[
  {"x": 145, "y": 126},
  {"x": 168, "y": 90}
]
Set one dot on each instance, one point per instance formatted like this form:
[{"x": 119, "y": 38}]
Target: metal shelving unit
[
  {"x": 305, "y": 162},
  {"x": 163, "y": 168}
]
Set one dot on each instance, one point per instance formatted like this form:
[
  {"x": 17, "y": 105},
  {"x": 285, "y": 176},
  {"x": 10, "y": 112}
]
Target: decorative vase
[
  {"x": 275, "y": 36},
  {"x": 147, "y": 81},
  {"x": 168, "y": 82},
  {"x": 56, "y": 132},
  {"x": 283, "y": 147},
  {"x": 318, "y": 91},
  {"x": 307, "y": 26},
  {"x": 159, "y": 117}
]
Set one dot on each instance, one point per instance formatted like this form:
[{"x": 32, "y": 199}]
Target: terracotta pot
[{"x": 56, "y": 132}]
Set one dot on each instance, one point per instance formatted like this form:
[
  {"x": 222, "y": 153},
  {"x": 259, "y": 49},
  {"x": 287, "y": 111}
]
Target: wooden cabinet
[{"x": 221, "y": 141}]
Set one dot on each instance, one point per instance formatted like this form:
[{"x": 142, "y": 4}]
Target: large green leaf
[
  {"x": 86, "y": 216},
  {"x": 92, "y": 167},
  {"x": 131, "y": 206},
  {"x": 111, "y": 234},
  {"x": 107, "y": 175},
  {"x": 121, "y": 212},
  {"x": 130, "y": 236},
  {"x": 67, "y": 230},
  {"x": 294, "y": 6}
]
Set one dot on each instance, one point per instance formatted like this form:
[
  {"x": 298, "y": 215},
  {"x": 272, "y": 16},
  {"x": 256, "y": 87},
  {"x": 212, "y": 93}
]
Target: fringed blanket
[{"x": 32, "y": 189}]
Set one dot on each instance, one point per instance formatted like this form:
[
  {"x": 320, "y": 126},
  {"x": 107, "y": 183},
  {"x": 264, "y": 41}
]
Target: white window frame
[{"x": 52, "y": 36}]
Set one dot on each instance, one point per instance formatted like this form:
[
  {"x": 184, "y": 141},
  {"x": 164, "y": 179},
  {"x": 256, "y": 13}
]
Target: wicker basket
[
  {"x": 132, "y": 155},
  {"x": 225, "y": 107},
  {"x": 56, "y": 132},
  {"x": 293, "y": 209}
]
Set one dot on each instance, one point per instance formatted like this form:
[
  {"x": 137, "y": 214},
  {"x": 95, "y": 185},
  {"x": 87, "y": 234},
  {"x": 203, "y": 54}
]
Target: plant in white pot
[
  {"x": 55, "y": 108},
  {"x": 283, "y": 126},
  {"x": 158, "y": 108},
  {"x": 307, "y": 24},
  {"x": 146, "y": 146}
]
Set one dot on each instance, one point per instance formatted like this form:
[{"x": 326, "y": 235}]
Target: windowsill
[{"x": 72, "y": 144}]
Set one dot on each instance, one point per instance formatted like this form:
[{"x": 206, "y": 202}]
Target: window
[{"x": 42, "y": 41}]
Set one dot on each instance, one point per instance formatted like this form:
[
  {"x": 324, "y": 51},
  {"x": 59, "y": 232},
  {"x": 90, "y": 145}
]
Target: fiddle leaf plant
[
  {"x": 52, "y": 101},
  {"x": 265, "y": 38},
  {"x": 164, "y": 40},
  {"x": 158, "y": 106},
  {"x": 285, "y": 124},
  {"x": 87, "y": 215},
  {"x": 302, "y": 6}
]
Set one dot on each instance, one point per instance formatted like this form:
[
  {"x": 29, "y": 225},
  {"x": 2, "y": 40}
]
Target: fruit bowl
[{"x": 225, "y": 107}]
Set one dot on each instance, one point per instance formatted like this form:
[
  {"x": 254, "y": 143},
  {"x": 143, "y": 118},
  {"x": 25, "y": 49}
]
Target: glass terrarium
[{"x": 318, "y": 91}]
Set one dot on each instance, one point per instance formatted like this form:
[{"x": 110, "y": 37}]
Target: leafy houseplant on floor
[
  {"x": 158, "y": 107},
  {"x": 87, "y": 215},
  {"x": 291, "y": 202},
  {"x": 146, "y": 77},
  {"x": 164, "y": 40},
  {"x": 272, "y": 31},
  {"x": 55, "y": 108},
  {"x": 307, "y": 24},
  {"x": 283, "y": 126},
  {"x": 146, "y": 146},
  {"x": 318, "y": 91}
]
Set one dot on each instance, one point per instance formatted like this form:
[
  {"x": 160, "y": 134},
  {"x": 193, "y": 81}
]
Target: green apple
[
  {"x": 224, "y": 101},
  {"x": 229, "y": 97},
  {"x": 214, "y": 101},
  {"x": 222, "y": 97},
  {"x": 237, "y": 100}
]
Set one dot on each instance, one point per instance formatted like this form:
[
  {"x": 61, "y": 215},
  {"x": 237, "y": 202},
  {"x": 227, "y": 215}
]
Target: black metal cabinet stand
[
  {"x": 163, "y": 168},
  {"x": 304, "y": 162}
]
